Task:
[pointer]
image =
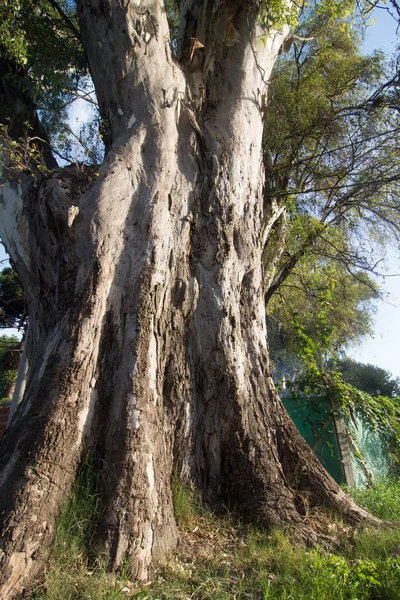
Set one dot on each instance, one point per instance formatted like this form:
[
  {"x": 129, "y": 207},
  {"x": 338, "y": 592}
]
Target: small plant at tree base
[
  {"x": 187, "y": 508},
  {"x": 81, "y": 513},
  {"x": 75, "y": 572}
]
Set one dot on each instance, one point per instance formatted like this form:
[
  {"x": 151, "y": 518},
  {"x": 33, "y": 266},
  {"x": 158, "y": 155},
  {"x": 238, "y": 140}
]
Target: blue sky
[
  {"x": 383, "y": 349},
  {"x": 382, "y": 33}
]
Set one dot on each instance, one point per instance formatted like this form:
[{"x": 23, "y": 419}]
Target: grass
[
  {"x": 75, "y": 572},
  {"x": 220, "y": 559},
  {"x": 382, "y": 500},
  {"x": 187, "y": 507},
  {"x": 269, "y": 567}
]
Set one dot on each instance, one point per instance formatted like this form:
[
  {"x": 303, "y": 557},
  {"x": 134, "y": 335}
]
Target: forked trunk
[{"x": 144, "y": 282}]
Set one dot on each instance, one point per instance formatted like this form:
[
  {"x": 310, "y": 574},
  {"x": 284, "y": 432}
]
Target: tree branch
[{"x": 66, "y": 19}]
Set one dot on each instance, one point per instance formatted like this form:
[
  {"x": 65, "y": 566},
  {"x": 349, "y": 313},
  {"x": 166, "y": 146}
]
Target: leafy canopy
[
  {"x": 319, "y": 311},
  {"x": 369, "y": 378},
  {"x": 332, "y": 152},
  {"x": 42, "y": 61}
]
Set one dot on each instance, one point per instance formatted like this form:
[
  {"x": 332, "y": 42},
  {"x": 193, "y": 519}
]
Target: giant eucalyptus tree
[{"x": 144, "y": 287}]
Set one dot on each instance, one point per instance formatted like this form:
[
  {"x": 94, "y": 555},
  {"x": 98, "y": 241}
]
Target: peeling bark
[{"x": 145, "y": 293}]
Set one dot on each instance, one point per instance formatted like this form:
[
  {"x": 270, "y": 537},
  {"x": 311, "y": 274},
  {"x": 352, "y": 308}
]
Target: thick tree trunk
[{"x": 145, "y": 298}]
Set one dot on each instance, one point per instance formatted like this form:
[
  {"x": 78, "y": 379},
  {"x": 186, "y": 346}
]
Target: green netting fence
[{"x": 316, "y": 421}]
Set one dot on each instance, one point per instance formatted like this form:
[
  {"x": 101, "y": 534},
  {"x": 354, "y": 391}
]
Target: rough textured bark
[{"x": 145, "y": 292}]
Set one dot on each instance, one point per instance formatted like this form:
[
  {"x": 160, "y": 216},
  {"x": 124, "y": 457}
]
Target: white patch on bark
[
  {"x": 73, "y": 212},
  {"x": 143, "y": 551},
  {"x": 86, "y": 416},
  {"x": 134, "y": 370},
  {"x": 150, "y": 473},
  {"x": 191, "y": 297},
  {"x": 133, "y": 412},
  {"x": 142, "y": 555},
  {"x": 19, "y": 563},
  {"x": 131, "y": 121},
  {"x": 153, "y": 363},
  {"x": 20, "y": 383},
  {"x": 187, "y": 419}
]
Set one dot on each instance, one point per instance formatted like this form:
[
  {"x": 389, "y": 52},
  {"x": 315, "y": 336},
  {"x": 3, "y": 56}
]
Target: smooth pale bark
[
  {"x": 145, "y": 294},
  {"x": 20, "y": 382}
]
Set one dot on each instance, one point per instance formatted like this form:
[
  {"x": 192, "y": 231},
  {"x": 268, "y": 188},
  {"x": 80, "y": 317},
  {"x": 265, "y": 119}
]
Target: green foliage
[
  {"x": 369, "y": 378},
  {"x": 270, "y": 566},
  {"x": 382, "y": 413},
  {"x": 331, "y": 156},
  {"x": 320, "y": 377},
  {"x": 10, "y": 348},
  {"x": 72, "y": 582},
  {"x": 7, "y": 378},
  {"x": 24, "y": 154},
  {"x": 173, "y": 13},
  {"x": 275, "y": 14},
  {"x": 34, "y": 35},
  {"x": 315, "y": 313},
  {"x": 81, "y": 513},
  {"x": 188, "y": 507},
  {"x": 12, "y": 304},
  {"x": 312, "y": 334},
  {"x": 43, "y": 62},
  {"x": 319, "y": 576},
  {"x": 11, "y": 36}
]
